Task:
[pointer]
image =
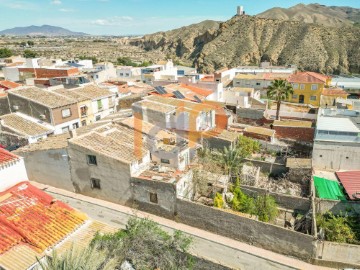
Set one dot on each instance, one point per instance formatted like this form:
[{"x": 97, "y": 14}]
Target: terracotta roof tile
[
  {"x": 6, "y": 156},
  {"x": 307, "y": 77},
  {"x": 8, "y": 84},
  {"x": 334, "y": 92},
  {"x": 351, "y": 183},
  {"x": 31, "y": 217}
]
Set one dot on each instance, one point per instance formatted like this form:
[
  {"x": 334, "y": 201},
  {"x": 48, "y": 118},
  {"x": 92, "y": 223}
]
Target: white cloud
[
  {"x": 56, "y": 2},
  {"x": 117, "y": 20},
  {"x": 18, "y": 5},
  {"x": 66, "y": 10}
]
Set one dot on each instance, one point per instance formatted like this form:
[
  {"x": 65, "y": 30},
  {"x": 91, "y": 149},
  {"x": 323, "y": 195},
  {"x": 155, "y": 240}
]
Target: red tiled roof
[
  {"x": 8, "y": 85},
  {"x": 307, "y": 77},
  {"x": 351, "y": 183},
  {"x": 197, "y": 90},
  {"x": 334, "y": 92},
  {"x": 6, "y": 156},
  {"x": 208, "y": 79},
  {"x": 29, "y": 216}
]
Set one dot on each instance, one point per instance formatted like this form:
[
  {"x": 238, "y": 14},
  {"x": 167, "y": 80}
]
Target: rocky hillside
[
  {"x": 314, "y": 13},
  {"x": 246, "y": 40}
]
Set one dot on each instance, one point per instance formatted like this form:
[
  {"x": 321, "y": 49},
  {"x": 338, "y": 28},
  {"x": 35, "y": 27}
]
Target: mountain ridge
[{"x": 43, "y": 30}]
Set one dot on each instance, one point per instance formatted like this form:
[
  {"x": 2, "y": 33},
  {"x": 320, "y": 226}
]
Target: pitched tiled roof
[
  {"x": 9, "y": 84},
  {"x": 6, "y": 156},
  {"x": 19, "y": 124},
  {"x": 29, "y": 216},
  {"x": 71, "y": 94},
  {"x": 334, "y": 92},
  {"x": 351, "y": 183},
  {"x": 307, "y": 77},
  {"x": 114, "y": 141},
  {"x": 44, "y": 97},
  {"x": 93, "y": 92},
  {"x": 197, "y": 90}
]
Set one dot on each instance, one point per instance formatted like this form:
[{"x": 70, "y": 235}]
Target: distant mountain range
[
  {"x": 315, "y": 13},
  {"x": 44, "y": 30}
]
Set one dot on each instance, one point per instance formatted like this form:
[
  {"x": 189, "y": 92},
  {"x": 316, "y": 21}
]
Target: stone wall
[
  {"x": 284, "y": 201},
  {"x": 4, "y": 106},
  {"x": 9, "y": 138},
  {"x": 49, "y": 167},
  {"x": 274, "y": 169},
  {"x": 253, "y": 232},
  {"x": 248, "y": 113},
  {"x": 295, "y": 133},
  {"x": 337, "y": 207},
  {"x": 166, "y": 195}
]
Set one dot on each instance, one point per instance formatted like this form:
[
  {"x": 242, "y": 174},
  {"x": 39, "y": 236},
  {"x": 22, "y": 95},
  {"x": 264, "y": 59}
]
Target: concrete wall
[
  {"x": 218, "y": 143},
  {"x": 166, "y": 194},
  {"x": 12, "y": 174},
  {"x": 114, "y": 175},
  {"x": 336, "y": 156},
  {"x": 249, "y": 113},
  {"x": 30, "y": 108},
  {"x": 4, "y": 106},
  {"x": 257, "y": 233},
  {"x": 337, "y": 207},
  {"x": 50, "y": 167},
  {"x": 57, "y": 114},
  {"x": 126, "y": 102},
  {"x": 339, "y": 252},
  {"x": 275, "y": 169},
  {"x": 284, "y": 201}
]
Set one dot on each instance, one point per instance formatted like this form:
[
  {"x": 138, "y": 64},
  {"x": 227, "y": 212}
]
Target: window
[
  {"x": 153, "y": 197},
  {"x": 258, "y": 83},
  {"x": 320, "y": 155},
  {"x": 127, "y": 74},
  {"x": 76, "y": 125},
  {"x": 165, "y": 161},
  {"x": 83, "y": 123},
  {"x": 83, "y": 111},
  {"x": 314, "y": 87},
  {"x": 313, "y": 98},
  {"x": 99, "y": 104},
  {"x": 66, "y": 113},
  {"x": 237, "y": 82},
  {"x": 295, "y": 96},
  {"x": 97, "y": 118},
  {"x": 121, "y": 74},
  {"x": 295, "y": 85},
  {"x": 95, "y": 183},
  {"x": 302, "y": 86},
  {"x": 65, "y": 129},
  {"x": 91, "y": 160}
]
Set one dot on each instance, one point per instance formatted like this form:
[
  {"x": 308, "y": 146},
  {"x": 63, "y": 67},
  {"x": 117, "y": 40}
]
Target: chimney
[{"x": 73, "y": 133}]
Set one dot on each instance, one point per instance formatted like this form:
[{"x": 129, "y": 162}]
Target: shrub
[
  {"x": 266, "y": 208},
  {"x": 4, "y": 52},
  {"x": 219, "y": 201}
]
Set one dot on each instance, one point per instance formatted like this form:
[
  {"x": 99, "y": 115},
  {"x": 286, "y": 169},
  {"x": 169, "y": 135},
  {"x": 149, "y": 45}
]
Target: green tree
[
  {"x": 29, "y": 54},
  {"x": 31, "y": 43},
  {"x": 4, "y": 53},
  {"x": 147, "y": 246},
  {"x": 337, "y": 228},
  {"x": 247, "y": 146},
  {"x": 126, "y": 61},
  {"x": 219, "y": 201},
  {"x": 242, "y": 203},
  {"x": 279, "y": 90},
  {"x": 266, "y": 208}
]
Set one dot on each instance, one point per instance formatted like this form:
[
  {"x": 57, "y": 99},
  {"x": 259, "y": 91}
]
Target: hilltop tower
[{"x": 240, "y": 11}]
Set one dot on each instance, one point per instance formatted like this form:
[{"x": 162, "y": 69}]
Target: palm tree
[{"x": 279, "y": 90}]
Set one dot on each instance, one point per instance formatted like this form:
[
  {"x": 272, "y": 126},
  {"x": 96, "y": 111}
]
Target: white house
[
  {"x": 12, "y": 170},
  {"x": 164, "y": 70}
]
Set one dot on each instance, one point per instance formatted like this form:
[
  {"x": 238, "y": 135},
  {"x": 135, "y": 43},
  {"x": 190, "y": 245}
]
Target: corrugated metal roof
[
  {"x": 351, "y": 183},
  {"x": 327, "y": 189},
  {"x": 342, "y": 124}
]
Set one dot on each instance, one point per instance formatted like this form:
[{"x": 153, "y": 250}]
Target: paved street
[{"x": 227, "y": 251}]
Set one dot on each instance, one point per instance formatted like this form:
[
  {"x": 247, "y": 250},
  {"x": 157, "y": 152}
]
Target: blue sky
[{"x": 121, "y": 17}]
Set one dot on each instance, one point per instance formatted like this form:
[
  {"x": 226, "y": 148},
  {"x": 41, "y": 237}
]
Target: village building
[
  {"x": 46, "y": 106},
  {"x": 19, "y": 129},
  {"x": 337, "y": 140},
  {"x": 308, "y": 87},
  {"x": 164, "y": 70},
  {"x": 329, "y": 96}
]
